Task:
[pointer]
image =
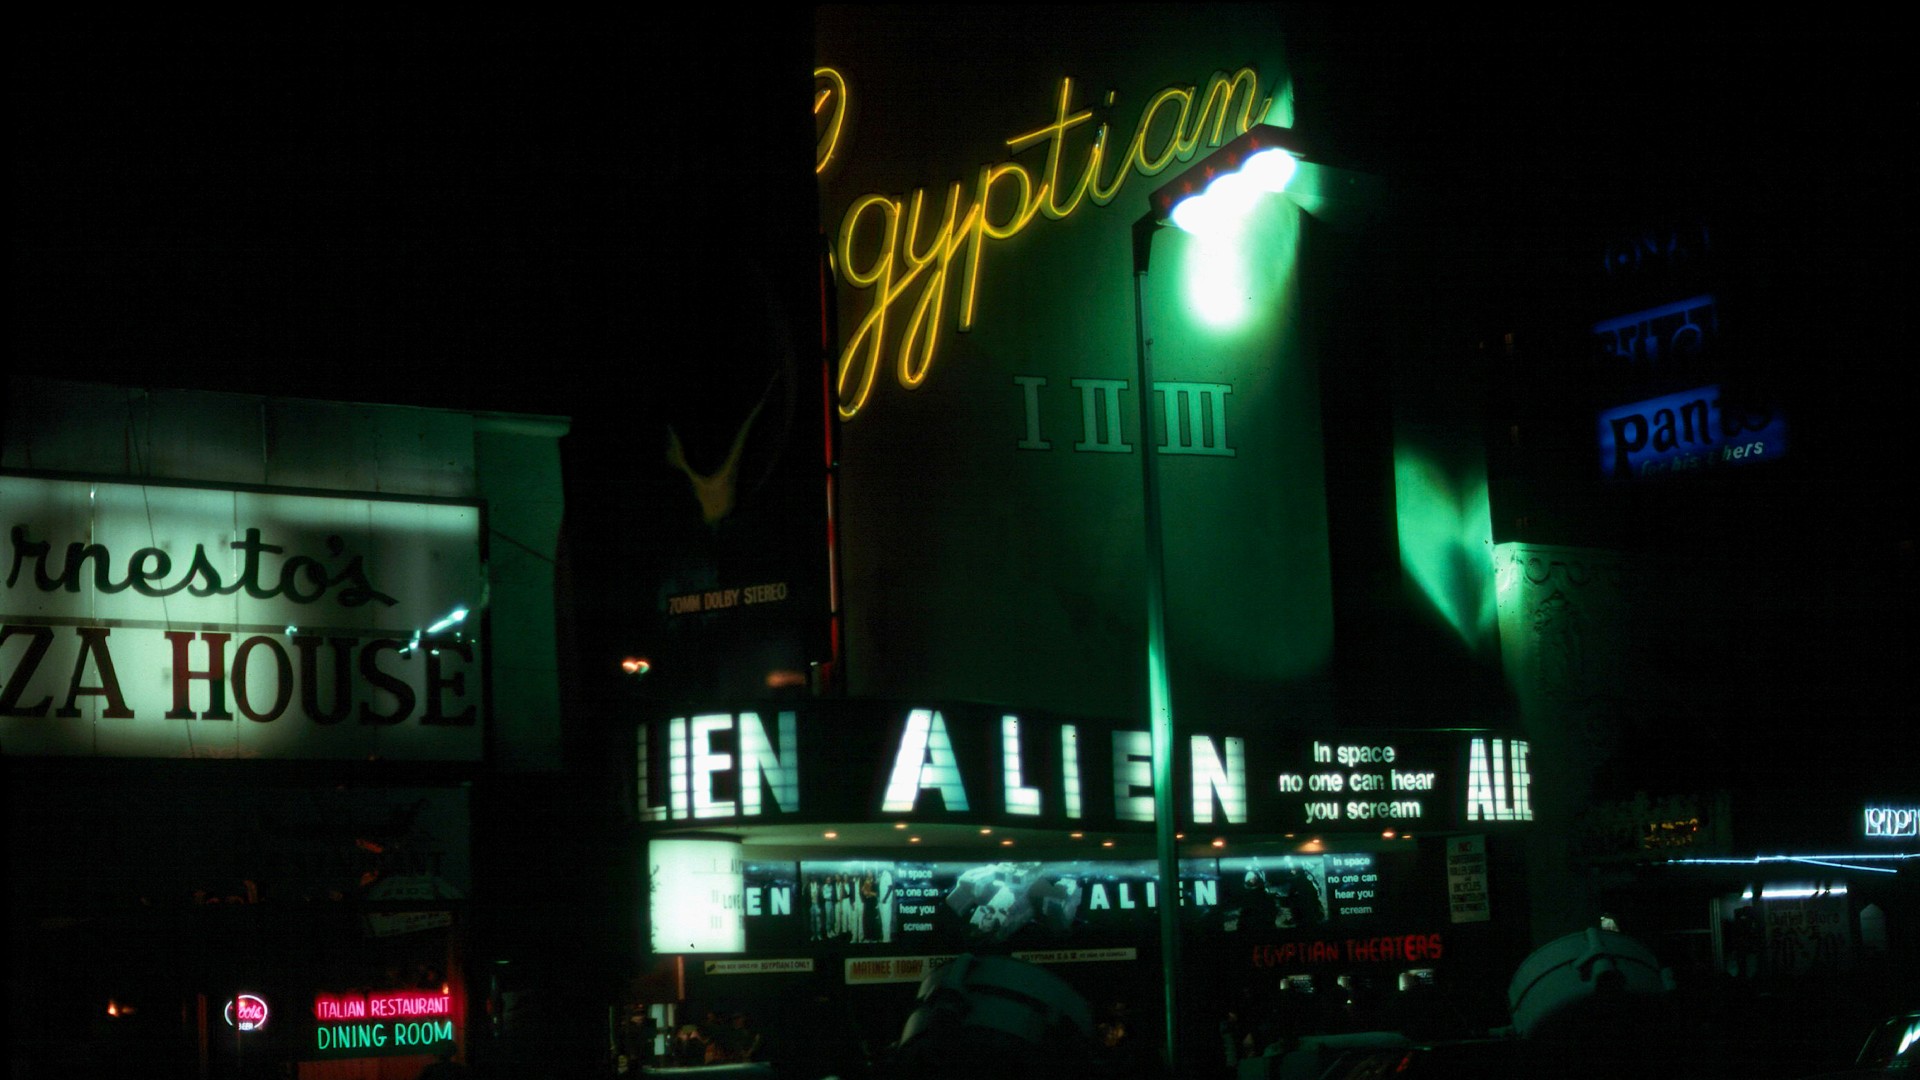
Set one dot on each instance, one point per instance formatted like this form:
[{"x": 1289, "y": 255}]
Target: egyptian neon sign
[
  {"x": 907, "y": 254},
  {"x": 247, "y": 1012},
  {"x": 381, "y": 1024}
]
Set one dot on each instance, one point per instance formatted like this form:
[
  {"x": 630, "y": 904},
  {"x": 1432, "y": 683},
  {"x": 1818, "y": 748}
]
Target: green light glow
[
  {"x": 1236, "y": 278},
  {"x": 1446, "y": 543}
]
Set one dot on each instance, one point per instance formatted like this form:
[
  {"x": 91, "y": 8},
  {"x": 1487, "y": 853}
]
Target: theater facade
[{"x": 963, "y": 763}]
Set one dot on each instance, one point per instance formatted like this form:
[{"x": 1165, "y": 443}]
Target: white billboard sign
[
  {"x": 696, "y": 896},
  {"x": 148, "y": 620}
]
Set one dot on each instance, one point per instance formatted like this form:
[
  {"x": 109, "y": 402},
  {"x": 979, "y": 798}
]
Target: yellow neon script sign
[{"x": 904, "y": 245}]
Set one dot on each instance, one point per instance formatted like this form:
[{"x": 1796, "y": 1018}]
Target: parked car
[{"x": 1892, "y": 1049}]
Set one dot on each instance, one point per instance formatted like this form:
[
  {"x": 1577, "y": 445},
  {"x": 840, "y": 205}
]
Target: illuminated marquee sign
[
  {"x": 1893, "y": 822},
  {"x": 387, "y": 1023},
  {"x": 1686, "y": 432},
  {"x": 970, "y": 763},
  {"x": 697, "y": 896},
  {"x": 247, "y": 1012},
  {"x": 143, "y": 620},
  {"x": 886, "y": 905},
  {"x": 906, "y": 254}
]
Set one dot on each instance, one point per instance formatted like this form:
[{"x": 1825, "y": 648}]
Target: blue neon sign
[{"x": 1686, "y": 432}]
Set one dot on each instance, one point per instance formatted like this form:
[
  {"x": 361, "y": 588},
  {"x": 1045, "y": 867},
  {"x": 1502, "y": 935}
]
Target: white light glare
[
  {"x": 457, "y": 615},
  {"x": 1229, "y": 199},
  {"x": 1852, "y": 862},
  {"x": 1272, "y": 169},
  {"x": 1796, "y": 892}
]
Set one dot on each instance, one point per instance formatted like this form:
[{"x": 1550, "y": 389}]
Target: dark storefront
[{"x": 248, "y": 699}]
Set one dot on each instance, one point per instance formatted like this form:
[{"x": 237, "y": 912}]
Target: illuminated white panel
[
  {"x": 1501, "y": 811},
  {"x": 1522, "y": 783},
  {"x": 1212, "y": 777},
  {"x": 1479, "y": 783},
  {"x": 141, "y": 591},
  {"x": 705, "y": 763},
  {"x": 677, "y": 766},
  {"x": 642, "y": 786},
  {"x": 925, "y": 761},
  {"x": 1070, "y": 769},
  {"x": 698, "y": 896},
  {"x": 1020, "y": 798},
  {"x": 1132, "y": 770},
  {"x": 760, "y": 765}
]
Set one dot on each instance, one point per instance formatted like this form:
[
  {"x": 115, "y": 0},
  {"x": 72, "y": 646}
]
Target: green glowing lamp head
[
  {"x": 1217, "y": 194},
  {"x": 1223, "y": 205}
]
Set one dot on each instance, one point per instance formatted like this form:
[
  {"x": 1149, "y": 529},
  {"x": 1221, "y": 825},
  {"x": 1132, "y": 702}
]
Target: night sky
[
  {"x": 543, "y": 216},
  {"x": 474, "y": 215}
]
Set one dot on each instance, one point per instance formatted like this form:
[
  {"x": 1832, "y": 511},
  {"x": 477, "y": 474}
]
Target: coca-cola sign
[{"x": 247, "y": 1012}]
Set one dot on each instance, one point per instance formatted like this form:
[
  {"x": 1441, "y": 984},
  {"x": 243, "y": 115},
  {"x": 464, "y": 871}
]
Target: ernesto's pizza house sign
[{"x": 147, "y": 620}]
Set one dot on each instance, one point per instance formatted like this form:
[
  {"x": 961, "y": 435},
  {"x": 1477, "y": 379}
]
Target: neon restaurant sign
[
  {"x": 386, "y": 1023},
  {"x": 971, "y": 763},
  {"x": 906, "y": 253}
]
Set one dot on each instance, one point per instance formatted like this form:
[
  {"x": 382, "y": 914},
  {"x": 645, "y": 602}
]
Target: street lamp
[{"x": 1212, "y": 197}]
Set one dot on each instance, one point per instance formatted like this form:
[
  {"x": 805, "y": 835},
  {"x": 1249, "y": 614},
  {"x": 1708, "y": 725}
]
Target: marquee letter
[
  {"x": 759, "y": 765},
  {"x": 1229, "y": 781},
  {"x": 704, "y": 763},
  {"x": 1020, "y": 798},
  {"x": 1479, "y": 783},
  {"x": 925, "y": 761},
  {"x": 1132, "y": 769}
]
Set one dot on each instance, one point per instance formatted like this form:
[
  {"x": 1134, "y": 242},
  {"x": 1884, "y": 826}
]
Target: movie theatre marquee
[
  {"x": 151, "y": 620},
  {"x": 830, "y": 761}
]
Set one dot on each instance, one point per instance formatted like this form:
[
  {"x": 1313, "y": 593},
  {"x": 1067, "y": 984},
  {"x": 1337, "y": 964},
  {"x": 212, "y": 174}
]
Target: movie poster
[
  {"x": 937, "y": 906},
  {"x": 1271, "y": 895}
]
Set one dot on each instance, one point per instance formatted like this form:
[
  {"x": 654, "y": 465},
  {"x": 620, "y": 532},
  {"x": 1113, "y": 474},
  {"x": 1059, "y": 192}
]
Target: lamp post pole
[
  {"x": 1159, "y": 695},
  {"x": 1263, "y": 160}
]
